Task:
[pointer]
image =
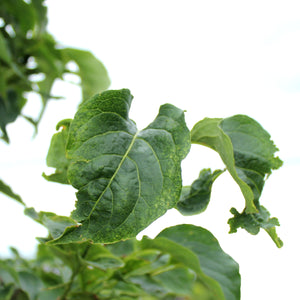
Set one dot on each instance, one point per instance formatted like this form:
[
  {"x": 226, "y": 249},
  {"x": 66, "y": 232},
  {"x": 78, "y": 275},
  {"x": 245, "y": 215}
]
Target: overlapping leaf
[
  {"x": 248, "y": 153},
  {"x": 125, "y": 178},
  {"x": 199, "y": 250}
]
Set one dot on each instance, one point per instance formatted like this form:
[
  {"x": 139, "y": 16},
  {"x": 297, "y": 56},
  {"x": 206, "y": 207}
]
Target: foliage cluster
[{"x": 125, "y": 179}]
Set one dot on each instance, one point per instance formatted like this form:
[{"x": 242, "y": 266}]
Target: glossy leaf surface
[{"x": 125, "y": 178}]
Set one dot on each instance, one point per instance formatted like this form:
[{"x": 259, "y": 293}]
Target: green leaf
[
  {"x": 248, "y": 153},
  {"x": 5, "y": 54},
  {"x": 6, "y": 291},
  {"x": 253, "y": 222},
  {"x": 23, "y": 15},
  {"x": 56, "y": 225},
  {"x": 94, "y": 77},
  {"x": 194, "y": 199},
  {"x": 11, "y": 105},
  {"x": 5, "y": 189},
  {"x": 30, "y": 283},
  {"x": 126, "y": 178},
  {"x": 208, "y": 133},
  {"x": 214, "y": 262},
  {"x": 99, "y": 257},
  {"x": 56, "y": 157},
  {"x": 188, "y": 258},
  {"x": 177, "y": 280}
]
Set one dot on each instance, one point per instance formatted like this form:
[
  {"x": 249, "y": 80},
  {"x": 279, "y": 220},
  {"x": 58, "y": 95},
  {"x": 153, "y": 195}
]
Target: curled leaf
[
  {"x": 249, "y": 155},
  {"x": 194, "y": 199}
]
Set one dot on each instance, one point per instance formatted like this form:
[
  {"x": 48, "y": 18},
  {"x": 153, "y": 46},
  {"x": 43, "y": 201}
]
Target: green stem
[{"x": 75, "y": 273}]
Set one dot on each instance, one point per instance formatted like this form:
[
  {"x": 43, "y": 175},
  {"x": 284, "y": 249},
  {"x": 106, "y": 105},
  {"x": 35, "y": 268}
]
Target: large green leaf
[
  {"x": 248, "y": 153},
  {"x": 94, "y": 77},
  {"x": 125, "y": 178},
  {"x": 194, "y": 199},
  {"x": 214, "y": 262}
]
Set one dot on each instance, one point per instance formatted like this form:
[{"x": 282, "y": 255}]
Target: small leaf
[
  {"x": 214, "y": 262},
  {"x": 56, "y": 225},
  {"x": 99, "y": 257},
  {"x": 11, "y": 105},
  {"x": 253, "y": 222},
  {"x": 5, "y": 189},
  {"x": 56, "y": 157},
  {"x": 94, "y": 77},
  {"x": 194, "y": 199},
  {"x": 126, "y": 178}
]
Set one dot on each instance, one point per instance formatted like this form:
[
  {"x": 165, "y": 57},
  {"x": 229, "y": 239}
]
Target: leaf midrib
[{"x": 115, "y": 173}]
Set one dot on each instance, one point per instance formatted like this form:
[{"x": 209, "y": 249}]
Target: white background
[{"x": 210, "y": 58}]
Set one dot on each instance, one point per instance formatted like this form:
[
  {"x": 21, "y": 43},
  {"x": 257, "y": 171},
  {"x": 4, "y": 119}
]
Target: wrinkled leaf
[
  {"x": 253, "y": 222},
  {"x": 94, "y": 77},
  {"x": 194, "y": 199},
  {"x": 214, "y": 262},
  {"x": 56, "y": 157},
  {"x": 248, "y": 153},
  {"x": 5, "y": 189},
  {"x": 125, "y": 178}
]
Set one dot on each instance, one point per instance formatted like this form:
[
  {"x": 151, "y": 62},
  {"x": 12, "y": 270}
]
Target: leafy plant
[
  {"x": 31, "y": 61},
  {"x": 126, "y": 178}
]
